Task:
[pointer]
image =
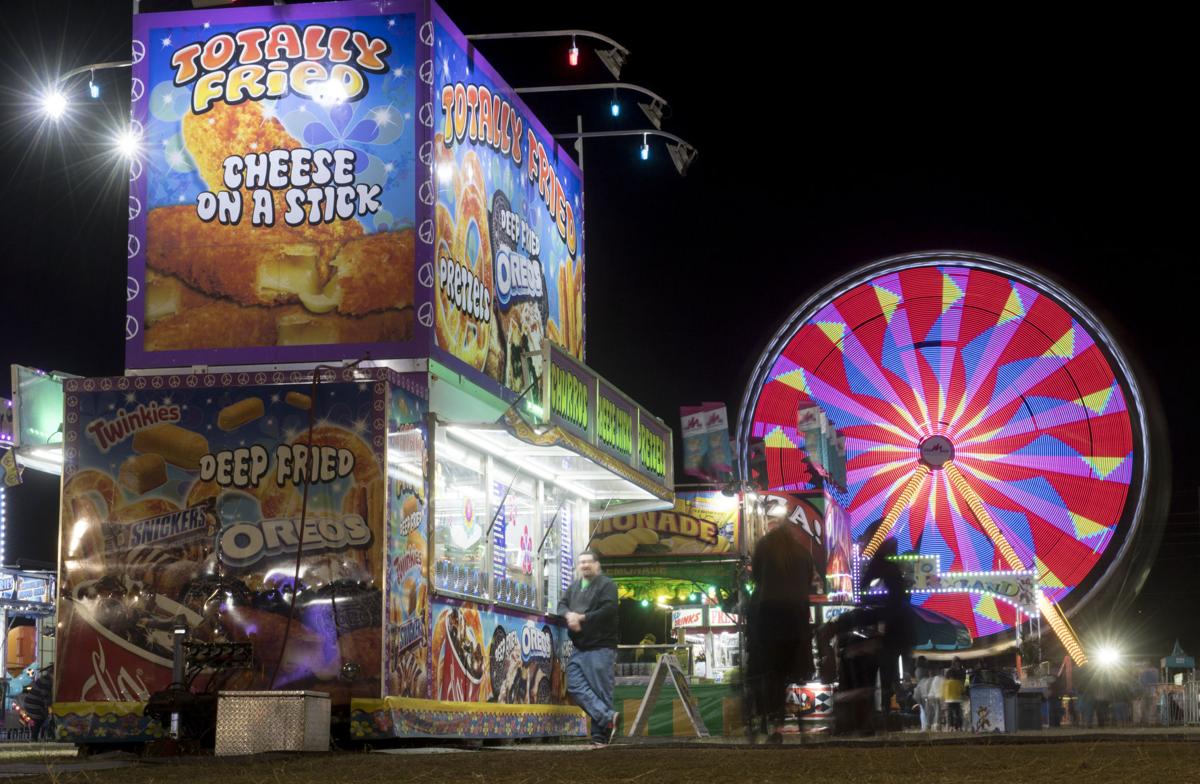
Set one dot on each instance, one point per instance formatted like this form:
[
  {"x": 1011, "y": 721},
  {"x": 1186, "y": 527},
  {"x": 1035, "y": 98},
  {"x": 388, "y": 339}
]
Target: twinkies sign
[{"x": 273, "y": 212}]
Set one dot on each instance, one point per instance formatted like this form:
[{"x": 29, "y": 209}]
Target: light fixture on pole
[
  {"x": 654, "y": 112},
  {"x": 128, "y": 143},
  {"x": 54, "y": 101},
  {"x": 54, "y": 104},
  {"x": 682, "y": 153},
  {"x": 613, "y": 58}
]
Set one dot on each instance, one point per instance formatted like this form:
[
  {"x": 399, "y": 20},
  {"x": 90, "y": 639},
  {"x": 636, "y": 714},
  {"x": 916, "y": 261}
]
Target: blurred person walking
[
  {"x": 778, "y": 630},
  {"x": 953, "y": 692}
]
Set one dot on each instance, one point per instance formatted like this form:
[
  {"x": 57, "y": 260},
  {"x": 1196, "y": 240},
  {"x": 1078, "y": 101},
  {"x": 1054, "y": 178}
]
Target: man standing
[{"x": 590, "y": 609}]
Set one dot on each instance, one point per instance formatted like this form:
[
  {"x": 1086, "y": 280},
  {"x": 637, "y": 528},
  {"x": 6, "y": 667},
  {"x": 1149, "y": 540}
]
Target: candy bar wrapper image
[
  {"x": 509, "y": 260},
  {"x": 182, "y": 499},
  {"x": 275, "y": 205},
  {"x": 486, "y": 656}
]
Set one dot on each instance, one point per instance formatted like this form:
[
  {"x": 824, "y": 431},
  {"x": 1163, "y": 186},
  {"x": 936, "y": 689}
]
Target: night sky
[{"x": 825, "y": 142}]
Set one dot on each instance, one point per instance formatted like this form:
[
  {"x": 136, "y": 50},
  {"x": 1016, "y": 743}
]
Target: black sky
[{"x": 826, "y": 141}]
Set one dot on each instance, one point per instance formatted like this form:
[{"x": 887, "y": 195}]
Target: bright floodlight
[
  {"x": 1107, "y": 656},
  {"x": 54, "y": 104},
  {"x": 445, "y": 172},
  {"x": 330, "y": 93},
  {"x": 128, "y": 143}
]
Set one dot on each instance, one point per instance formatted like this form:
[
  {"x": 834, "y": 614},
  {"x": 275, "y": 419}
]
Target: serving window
[
  {"x": 504, "y": 530},
  {"x": 461, "y": 516},
  {"x": 517, "y": 530}
]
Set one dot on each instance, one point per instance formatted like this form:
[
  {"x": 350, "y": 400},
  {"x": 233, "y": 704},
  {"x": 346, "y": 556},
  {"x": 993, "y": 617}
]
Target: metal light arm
[
  {"x": 549, "y": 34},
  {"x": 682, "y": 153},
  {"x": 604, "y": 134},
  {"x": 94, "y": 67},
  {"x": 568, "y": 88}
]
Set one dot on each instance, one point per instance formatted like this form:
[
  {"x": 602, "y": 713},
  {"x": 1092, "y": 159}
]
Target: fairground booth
[
  {"x": 682, "y": 576},
  {"x": 356, "y": 448},
  {"x": 26, "y": 596}
]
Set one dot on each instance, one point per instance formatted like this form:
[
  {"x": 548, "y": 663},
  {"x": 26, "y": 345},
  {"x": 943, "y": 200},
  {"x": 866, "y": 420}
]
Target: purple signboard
[
  {"x": 568, "y": 397},
  {"x": 508, "y": 253},
  {"x": 616, "y": 422},
  {"x": 654, "y": 448},
  {"x": 274, "y": 215}
]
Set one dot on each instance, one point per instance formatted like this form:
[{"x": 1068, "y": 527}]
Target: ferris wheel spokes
[
  {"x": 1050, "y": 611},
  {"x": 911, "y": 487}
]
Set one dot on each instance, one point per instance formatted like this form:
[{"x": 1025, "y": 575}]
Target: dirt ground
[{"x": 1095, "y": 762}]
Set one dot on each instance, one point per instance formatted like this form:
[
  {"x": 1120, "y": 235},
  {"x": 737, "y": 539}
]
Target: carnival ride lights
[
  {"x": 3, "y": 520},
  {"x": 988, "y": 420}
]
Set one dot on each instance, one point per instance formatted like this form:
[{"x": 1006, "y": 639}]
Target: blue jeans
[{"x": 590, "y": 684}]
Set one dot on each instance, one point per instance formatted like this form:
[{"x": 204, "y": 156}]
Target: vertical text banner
[
  {"x": 509, "y": 223},
  {"x": 272, "y": 211}
]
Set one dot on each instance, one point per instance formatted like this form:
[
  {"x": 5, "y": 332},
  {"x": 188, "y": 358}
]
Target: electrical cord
[{"x": 312, "y": 413}]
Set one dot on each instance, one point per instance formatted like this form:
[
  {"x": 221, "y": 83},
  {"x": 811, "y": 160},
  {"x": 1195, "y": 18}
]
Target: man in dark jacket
[{"x": 590, "y": 609}]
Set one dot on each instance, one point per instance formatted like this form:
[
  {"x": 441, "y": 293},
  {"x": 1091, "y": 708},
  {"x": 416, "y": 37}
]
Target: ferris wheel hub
[{"x": 936, "y": 451}]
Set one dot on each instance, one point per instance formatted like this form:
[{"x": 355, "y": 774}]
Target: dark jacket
[
  {"x": 38, "y": 699},
  {"x": 599, "y": 603},
  {"x": 783, "y": 570}
]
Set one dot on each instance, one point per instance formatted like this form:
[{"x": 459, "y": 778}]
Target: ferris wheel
[{"x": 988, "y": 419}]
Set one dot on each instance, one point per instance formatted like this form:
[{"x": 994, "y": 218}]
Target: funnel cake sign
[{"x": 273, "y": 208}]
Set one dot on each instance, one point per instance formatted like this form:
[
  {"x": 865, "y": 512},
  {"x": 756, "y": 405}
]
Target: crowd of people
[{"x": 936, "y": 694}]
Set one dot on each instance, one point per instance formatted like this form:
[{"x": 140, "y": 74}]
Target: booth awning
[{"x": 560, "y": 457}]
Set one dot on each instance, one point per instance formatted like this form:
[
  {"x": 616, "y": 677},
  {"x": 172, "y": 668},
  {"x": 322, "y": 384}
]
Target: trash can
[
  {"x": 1029, "y": 710},
  {"x": 987, "y": 709}
]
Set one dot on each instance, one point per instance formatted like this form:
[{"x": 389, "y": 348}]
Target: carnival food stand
[
  {"x": 687, "y": 560},
  {"x": 356, "y": 444}
]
